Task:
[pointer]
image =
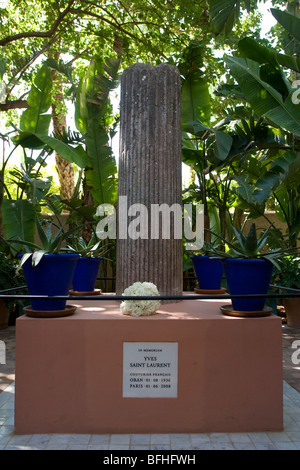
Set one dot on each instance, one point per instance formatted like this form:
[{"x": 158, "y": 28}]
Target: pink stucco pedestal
[{"x": 69, "y": 371}]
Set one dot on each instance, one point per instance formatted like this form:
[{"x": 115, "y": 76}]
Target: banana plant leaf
[
  {"x": 64, "y": 69},
  {"x": 93, "y": 91},
  {"x": 195, "y": 100},
  {"x": 264, "y": 98},
  {"x": 219, "y": 141},
  {"x": 288, "y": 207},
  {"x": 92, "y": 112},
  {"x": 222, "y": 144},
  {"x": 230, "y": 90},
  {"x": 223, "y": 14},
  {"x": 251, "y": 49},
  {"x": 289, "y": 21},
  {"x": 18, "y": 220},
  {"x": 33, "y": 140},
  {"x": 3, "y": 61},
  {"x": 283, "y": 170},
  {"x": 244, "y": 189},
  {"x": 101, "y": 178},
  {"x": 34, "y": 118}
]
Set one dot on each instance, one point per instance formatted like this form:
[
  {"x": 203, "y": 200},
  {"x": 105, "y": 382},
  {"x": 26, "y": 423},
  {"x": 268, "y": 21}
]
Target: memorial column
[{"x": 150, "y": 174}]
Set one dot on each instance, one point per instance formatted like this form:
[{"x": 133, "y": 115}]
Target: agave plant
[
  {"x": 49, "y": 242},
  {"x": 90, "y": 249},
  {"x": 251, "y": 246}
]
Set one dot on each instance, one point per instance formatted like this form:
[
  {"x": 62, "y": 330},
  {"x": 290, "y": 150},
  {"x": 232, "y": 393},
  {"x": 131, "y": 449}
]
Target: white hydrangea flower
[{"x": 139, "y": 308}]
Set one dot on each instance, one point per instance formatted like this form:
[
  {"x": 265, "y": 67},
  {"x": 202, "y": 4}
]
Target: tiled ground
[{"x": 289, "y": 439}]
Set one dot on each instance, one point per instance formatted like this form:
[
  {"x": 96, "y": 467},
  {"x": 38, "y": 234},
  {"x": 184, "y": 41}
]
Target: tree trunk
[{"x": 64, "y": 168}]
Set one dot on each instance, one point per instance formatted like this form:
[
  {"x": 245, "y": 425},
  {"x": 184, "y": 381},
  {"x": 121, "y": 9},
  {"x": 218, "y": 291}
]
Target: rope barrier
[{"x": 190, "y": 296}]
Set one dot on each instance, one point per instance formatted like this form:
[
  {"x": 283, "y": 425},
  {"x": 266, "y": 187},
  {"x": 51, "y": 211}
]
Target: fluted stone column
[{"x": 149, "y": 173}]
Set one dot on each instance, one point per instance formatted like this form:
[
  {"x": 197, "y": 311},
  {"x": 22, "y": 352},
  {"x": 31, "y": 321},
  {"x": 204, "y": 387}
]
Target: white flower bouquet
[{"x": 138, "y": 308}]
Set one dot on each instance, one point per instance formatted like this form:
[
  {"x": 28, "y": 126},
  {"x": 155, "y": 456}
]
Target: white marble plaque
[{"x": 150, "y": 370}]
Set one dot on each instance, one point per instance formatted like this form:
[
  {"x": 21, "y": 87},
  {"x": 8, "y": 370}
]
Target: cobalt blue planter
[
  {"x": 85, "y": 274},
  {"x": 52, "y": 276},
  {"x": 248, "y": 276},
  {"x": 209, "y": 272}
]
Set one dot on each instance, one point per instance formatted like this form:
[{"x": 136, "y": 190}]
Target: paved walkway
[{"x": 288, "y": 439}]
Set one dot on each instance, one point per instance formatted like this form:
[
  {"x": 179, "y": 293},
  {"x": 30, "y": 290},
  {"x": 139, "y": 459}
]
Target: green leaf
[
  {"x": 196, "y": 128},
  {"x": 244, "y": 189},
  {"x": 44, "y": 236},
  {"x": 263, "y": 240},
  {"x": 75, "y": 155},
  {"x": 91, "y": 106},
  {"x": 289, "y": 21},
  {"x": 270, "y": 180},
  {"x": 260, "y": 196},
  {"x": 220, "y": 140},
  {"x": 288, "y": 209},
  {"x": 240, "y": 238},
  {"x": 251, "y": 241},
  {"x": 101, "y": 177},
  {"x": 222, "y": 145},
  {"x": 285, "y": 160},
  {"x": 81, "y": 113},
  {"x": 230, "y": 90},
  {"x": 195, "y": 100},
  {"x": 18, "y": 220},
  {"x": 251, "y": 49},
  {"x": 34, "y": 118},
  {"x": 60, "y": 67},
  {"x": 27, "y": 140},
  {"x": 265, "y": 100},
  {"x": 3, "y": 61},
  {"x": 280, "y": 171},
  {"x": 93, "y": 91},
  {"x": 222, "y": 14},
  {"x": 32, "y": 121}
]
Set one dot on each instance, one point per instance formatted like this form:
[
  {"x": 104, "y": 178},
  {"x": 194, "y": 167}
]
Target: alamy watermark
[
  {"x": 296, "y": 93},
  {"x": 296, "y": 354},
  {"x": 161, "y": 221},
  {"x": 2, "y": 353}
]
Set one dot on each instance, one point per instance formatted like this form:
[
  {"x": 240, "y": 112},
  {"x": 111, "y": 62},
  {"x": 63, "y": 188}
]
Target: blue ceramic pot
[
  {"x": 85, "y": 274},
  {"x": 209, "y": 272},
  {"x": 248, "y": 276},
  {"x": 52, "y": 276}
]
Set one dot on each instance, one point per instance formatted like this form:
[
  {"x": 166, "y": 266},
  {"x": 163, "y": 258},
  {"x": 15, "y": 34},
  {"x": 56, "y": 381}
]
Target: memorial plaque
[{"x": 150, "y": 370}]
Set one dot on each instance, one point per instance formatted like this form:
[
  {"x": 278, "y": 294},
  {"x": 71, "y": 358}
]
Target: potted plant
[
  {"x": 87, "y": 266},
  {"x": 48, "y": 271},
  {"x": 209, "y": 270},
  {"x": 288, "y": 275},
  {"x": 248, "y": 268}
]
